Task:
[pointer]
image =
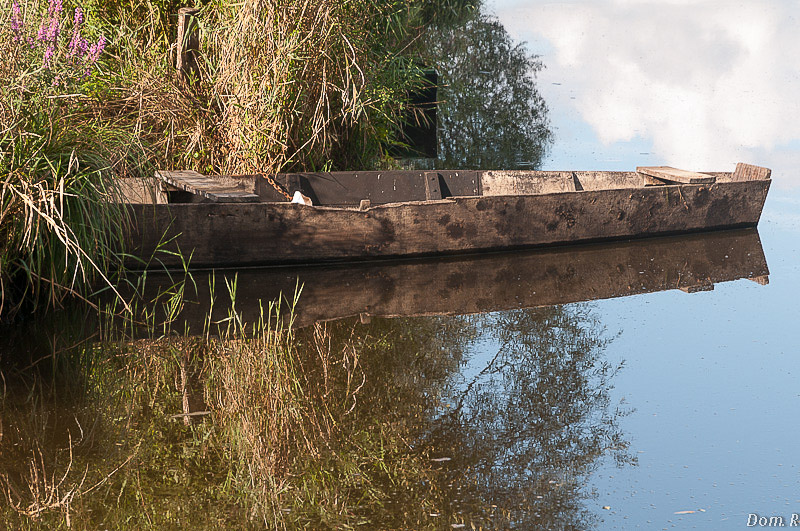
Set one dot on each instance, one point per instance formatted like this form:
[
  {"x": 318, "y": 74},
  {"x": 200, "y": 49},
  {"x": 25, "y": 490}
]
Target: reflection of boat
[
  {"x": 364, "y": 215},
  {"x": 492, "y": 282}
]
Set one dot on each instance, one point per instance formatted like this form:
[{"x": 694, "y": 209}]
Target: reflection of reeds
[
  {"x": 277, "y": 406},
  {"x": 44, "y": 490},
  {"x": 325, "y": 427},
  {"x": 271, "y": 417}
]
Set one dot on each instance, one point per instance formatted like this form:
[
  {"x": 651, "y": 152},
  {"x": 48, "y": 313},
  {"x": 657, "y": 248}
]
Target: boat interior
[{"x": 370, "y": 188}]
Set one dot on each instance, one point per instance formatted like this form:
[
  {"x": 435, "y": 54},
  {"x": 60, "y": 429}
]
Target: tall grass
[
  {"x": 302, "y": 84},
  {"x": 60, "y": 230},
  {"x": 309, "y": 83},
  {"x": 297, "y": 84}
]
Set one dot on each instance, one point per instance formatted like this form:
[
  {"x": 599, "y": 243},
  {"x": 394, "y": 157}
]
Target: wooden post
[{"x": 188, "y": 45}]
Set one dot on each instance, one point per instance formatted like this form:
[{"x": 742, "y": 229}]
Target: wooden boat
[
  {"x": 246, "y": 221},
  {"x": 471, "y": 284}
]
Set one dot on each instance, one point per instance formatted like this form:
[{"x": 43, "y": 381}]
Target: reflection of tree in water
[
  {"x": 324, "y": 431},
  {"x": 491, "y": 114},
  {"x": 523, "y": 435},
  {"x": 533, "y": 424}
]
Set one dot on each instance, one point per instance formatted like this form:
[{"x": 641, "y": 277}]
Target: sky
[{"x": 698, "y": 85}]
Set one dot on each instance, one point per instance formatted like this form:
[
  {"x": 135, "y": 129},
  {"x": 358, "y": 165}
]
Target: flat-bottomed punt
[{"x": 247, "y": 221}]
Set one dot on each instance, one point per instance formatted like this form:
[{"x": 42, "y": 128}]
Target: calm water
[
  {"x": 711, "y": 377},
  {"x": 708, "y": 384},
  {"x": 587, "y": 392}
]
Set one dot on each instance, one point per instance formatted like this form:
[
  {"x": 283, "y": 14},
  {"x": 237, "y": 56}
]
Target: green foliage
[
  {"x": 60, "y": 228},
  {"x": 303, "y": 84}
]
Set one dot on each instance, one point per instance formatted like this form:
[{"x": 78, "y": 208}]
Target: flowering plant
[{"x": 59, "y": 54}]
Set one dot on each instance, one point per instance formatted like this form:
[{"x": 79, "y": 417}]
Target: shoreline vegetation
[
  {"x": 89, "y": 94},
  {"x": 111, "y": 418},
  {"x": 305, "y": 84}
]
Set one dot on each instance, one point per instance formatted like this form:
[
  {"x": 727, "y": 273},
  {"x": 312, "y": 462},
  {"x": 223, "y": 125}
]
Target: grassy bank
[{"x": 88, "y": 94}]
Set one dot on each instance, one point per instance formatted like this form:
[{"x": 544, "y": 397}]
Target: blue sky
[{"x": 694, "y": 84}]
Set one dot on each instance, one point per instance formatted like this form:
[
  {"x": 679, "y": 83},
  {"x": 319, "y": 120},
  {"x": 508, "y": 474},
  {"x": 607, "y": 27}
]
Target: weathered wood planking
[
  {"x": 432, "y": 189},
  {"x": 188, "y": 45},
  {"x": 262, "y": 233},
  {"x": 604, "y": 180},
  {"x": 139, "y": 190},
  {"x": 504, "y": 182},
  {"x": 218, "y": 189},
  {"x": 674, "y": 175},
  {"x": 489, "y": 282},
  {"x": 748, "y": 172}
]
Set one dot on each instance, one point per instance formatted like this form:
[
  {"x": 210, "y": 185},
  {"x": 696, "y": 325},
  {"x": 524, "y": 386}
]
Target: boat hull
[{"x": 251, "y": 234}]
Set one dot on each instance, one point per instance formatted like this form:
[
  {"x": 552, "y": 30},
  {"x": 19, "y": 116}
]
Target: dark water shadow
[{"x": 472, "y": 284}]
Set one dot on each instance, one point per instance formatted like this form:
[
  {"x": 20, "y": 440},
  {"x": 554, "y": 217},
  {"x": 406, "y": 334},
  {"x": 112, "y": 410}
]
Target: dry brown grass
[{"x": 297, "y": 84}]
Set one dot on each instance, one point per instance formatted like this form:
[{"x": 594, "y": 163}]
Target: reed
[
  {"x": 60, "y": 227},
  {"x": 303, "y": 84}
]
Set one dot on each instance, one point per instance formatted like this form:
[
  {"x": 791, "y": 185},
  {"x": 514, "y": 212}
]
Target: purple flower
[
  {"x": 16, "y": 21},
  {"x": 78, "y": 20},
  {"x": 77, "y": 45},
  {"x": 53, "y": 30},
  {"x": 55, "y": 8},
  {"x": 50, "y": 28},
  {"x": 95, "y": 50}
]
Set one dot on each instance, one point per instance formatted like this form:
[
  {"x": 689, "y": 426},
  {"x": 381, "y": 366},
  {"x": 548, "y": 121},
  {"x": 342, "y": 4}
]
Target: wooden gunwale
[{"x": 251, "y": 234}]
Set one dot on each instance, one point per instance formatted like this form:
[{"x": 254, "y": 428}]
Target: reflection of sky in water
[
  {"x": 699, "y": 85},
  {"x": 712, "y": 376}
]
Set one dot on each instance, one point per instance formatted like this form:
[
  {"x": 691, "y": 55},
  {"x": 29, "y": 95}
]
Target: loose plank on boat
[{"x": 670, "y": 174}]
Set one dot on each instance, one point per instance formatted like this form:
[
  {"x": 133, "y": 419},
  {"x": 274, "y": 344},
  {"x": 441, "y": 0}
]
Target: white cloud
[{"x": 709, "y": 83}]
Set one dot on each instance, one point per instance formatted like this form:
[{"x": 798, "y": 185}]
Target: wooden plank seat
[
  {"x": 214, "y": 189},
  {"x": 674, "y": 175}
]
